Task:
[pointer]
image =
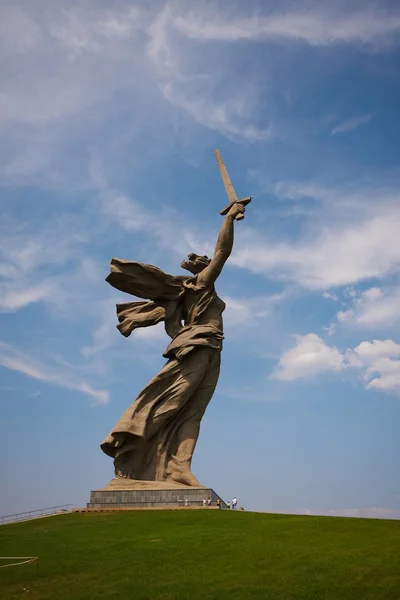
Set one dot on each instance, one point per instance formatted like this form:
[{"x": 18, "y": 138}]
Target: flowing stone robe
[{"x": 155, "y": 438}]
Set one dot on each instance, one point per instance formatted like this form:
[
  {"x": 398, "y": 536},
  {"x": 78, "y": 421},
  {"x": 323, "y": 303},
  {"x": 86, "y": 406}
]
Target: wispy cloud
[
  {"x": 130, "y": 216},
  {"x": 350, "y": 124},
  {"x": 15, "y": 360},
  {"x": 14, "y": 296},
  {"x": 39, "y": 260},
  {"x": 193, "y": 85},
  {"x": 71, "y": 60},
  {"x": 228, "y": 117},
  {"x": 77, "y": 38},
  {"x": 330, "y": 296},
  {"x": 81, "y": 66},
  {"x": 315, "y": 27},
  {"x": 242, "y": 311},
  {"x": 327, "y": 255}
]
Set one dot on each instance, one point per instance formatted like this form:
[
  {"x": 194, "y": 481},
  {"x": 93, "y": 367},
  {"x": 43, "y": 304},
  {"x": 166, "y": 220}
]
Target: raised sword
[{"x": 230, "y": 191}]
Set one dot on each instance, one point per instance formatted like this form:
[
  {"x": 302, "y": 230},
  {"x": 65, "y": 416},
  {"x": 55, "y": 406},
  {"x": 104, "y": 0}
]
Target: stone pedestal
[{"x": 121, "y": 493}]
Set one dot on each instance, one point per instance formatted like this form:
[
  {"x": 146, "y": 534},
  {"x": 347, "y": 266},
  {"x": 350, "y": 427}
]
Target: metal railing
[{"x": 35, "y": 514}]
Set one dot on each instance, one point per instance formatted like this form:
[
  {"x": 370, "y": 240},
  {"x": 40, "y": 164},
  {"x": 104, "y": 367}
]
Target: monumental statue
[{"x": 155, "y": 438}]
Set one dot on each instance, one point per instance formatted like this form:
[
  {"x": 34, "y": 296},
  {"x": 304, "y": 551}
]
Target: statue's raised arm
[{"x": 223, "y": 247}]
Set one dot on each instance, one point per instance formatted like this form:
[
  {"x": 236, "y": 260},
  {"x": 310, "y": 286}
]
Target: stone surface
[
  {"x": 120, "y": 483},
  {"x": 152, "y": 498},
  {"x": 155, "y": 438}
]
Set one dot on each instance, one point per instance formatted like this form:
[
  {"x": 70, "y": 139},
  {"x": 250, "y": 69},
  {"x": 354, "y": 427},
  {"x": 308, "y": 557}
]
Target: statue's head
[{"x": 196, "y": 263}]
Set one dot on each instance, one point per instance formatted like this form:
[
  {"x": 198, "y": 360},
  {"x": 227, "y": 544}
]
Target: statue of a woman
[{"x": 156, "y": 436}]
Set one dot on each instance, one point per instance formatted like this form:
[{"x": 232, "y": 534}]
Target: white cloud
[
  {"x": 375, "y": 361},
  {"x": 388, "y": 375},
  {"x": 369, "y": 351},
  {"x": 382, "y": 370},
  {"x": 309, "y": 357},
  {"x": 350, "y": 124},
  {"x": 315, "y": 27},
  {"x": 373, "y": 308},
  {"x": 15, "y": 360},
  {"x": 327, "y": 255}
]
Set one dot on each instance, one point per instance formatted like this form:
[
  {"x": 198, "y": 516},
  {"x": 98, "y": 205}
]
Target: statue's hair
[{"x": 202, "y": 259}]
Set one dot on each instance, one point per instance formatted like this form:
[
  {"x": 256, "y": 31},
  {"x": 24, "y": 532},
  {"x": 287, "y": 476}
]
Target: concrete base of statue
[{"x": 130, "y": 493}]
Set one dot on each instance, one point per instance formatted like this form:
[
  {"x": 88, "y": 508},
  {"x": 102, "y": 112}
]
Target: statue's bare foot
[
  {"x": 185, "y": 477},
  {"x": 123, "y": 474}
]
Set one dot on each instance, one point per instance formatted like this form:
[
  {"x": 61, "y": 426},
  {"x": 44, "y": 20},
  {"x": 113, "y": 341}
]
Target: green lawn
[{"x": 177, "y": 555}]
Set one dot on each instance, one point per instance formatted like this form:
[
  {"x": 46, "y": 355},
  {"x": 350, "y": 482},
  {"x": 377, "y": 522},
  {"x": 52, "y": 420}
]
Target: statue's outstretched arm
[{"x": 223, "y": 248}]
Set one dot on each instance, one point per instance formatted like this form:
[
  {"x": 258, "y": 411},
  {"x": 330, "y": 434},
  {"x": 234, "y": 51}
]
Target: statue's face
[{"x": 194, "y": 264}]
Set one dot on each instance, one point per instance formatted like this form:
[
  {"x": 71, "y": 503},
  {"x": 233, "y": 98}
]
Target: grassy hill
[{"x": 179, "y": 555}]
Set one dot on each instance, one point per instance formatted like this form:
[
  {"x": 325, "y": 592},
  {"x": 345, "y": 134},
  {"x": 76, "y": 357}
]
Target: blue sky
[{"x": 109, "y": 113}]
